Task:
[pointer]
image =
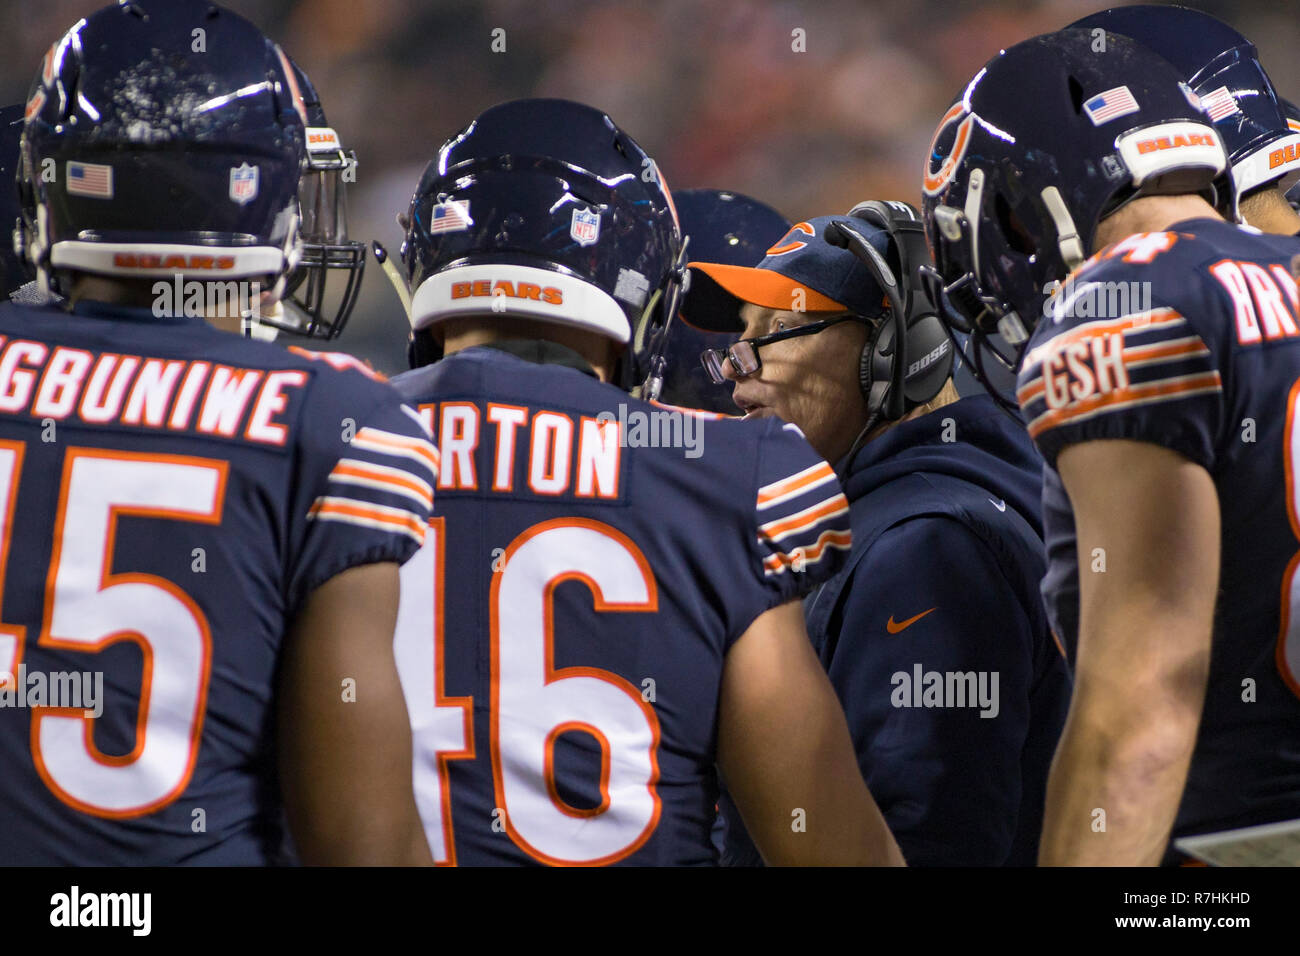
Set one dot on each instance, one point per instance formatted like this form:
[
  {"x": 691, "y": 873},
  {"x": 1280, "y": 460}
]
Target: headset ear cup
[
  {"x": 874, "y": 368},
  {"x": 930, "y": 351}
]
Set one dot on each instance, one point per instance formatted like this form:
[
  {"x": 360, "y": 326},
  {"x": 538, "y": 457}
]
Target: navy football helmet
[
  {"x": 1020, "y": 174},
  {"x": 327, "y": 251},
  {"x": 12, "y": 274},
  {"x": 1293, "y": 122},
  {"x": 143, "y": 158},
  {"x": 1223, "y": 69},
  {"x": 543, "y": 209},
  {"x": 722, "y": 227}
]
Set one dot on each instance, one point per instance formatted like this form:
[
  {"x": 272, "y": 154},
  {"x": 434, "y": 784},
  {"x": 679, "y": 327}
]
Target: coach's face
[{"x": 810, "y": 380}]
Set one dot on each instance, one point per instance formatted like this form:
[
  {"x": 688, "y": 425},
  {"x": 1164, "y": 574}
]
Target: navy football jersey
[
  {"x": 1190, "y": 339},
  {"x": 562, "y": 633},
  {"x": 171, "y": 494}
]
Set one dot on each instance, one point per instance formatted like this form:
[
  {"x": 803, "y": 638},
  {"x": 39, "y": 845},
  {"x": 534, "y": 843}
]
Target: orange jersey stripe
[
  {"x": 400, "y": 481},
  {"x": 768, "y": 494},
  {"x": 1155, "y": 319},
  {"x": 828, "y": 539},
  {"x": 393, "y": 518},
  {"x": 377, "y": 440},
  {"x": 696, "y": 412},
  {"x": 1027, "y": 393},
  {"x": 805, "y": 519},
  {"x": 1135, "y": 356},
  {"x": 1135, "y": 394},
  {"x": 1163, "y": 351}
]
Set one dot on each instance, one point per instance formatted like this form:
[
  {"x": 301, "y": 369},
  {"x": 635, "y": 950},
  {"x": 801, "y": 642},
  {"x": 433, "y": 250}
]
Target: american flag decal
[
  {"x": 90, "y": 179},
  {"x": 1110, "y": 105},
  {"x": 1219, "y": 104},
  {"x": 450, "y": 216}
]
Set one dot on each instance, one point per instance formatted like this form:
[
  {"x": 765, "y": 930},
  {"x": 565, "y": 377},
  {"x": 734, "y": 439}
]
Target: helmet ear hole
[
  {"x": 1076, "y": 94},
  {"x": 70, "y": 102},
  {"x": 1018, "y": 237}
]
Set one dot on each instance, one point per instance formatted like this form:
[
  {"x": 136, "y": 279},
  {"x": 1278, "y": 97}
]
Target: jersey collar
[
  {"x": 107, "y": 310},
  {"x": 543, "y": 352}
]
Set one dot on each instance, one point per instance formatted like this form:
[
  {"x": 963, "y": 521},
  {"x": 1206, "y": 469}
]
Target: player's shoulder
[
  {"x": 16, "y": 311},
  {"x": 336, "y": 368},
  {"x": 1170, "y": 266},
  {"x": 336, "y": 381},
  {"x": 1194, "y": 278}
]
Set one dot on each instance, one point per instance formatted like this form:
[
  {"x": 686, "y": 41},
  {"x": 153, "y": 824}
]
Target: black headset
[{"x": 894, "y": 381}]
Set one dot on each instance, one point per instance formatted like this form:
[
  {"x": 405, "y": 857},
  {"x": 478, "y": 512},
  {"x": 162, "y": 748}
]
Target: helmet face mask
[
  {"x": 313, "y": 305},
  {"x": 13, "y": 275},
  {"x": 719, "y": 226},
  {"x": 990, "y": 272},
  {"x": 322, "y": 292},
  {"x": 1018, "y": 178}
]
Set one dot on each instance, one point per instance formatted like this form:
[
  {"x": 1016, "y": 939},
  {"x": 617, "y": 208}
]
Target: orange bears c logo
[
  {"x": 936, "y": 180},
  {"x": 788, "y": 243}
]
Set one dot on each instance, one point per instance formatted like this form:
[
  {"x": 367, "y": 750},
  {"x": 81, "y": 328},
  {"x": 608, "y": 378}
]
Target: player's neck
[
  {"x": 1151, "y": 214},
  {"x": 142, "y": 294},
  {"x": 131, "y": 293},
  {"x": 1268, "y": 211},
  {"x": 465, "y": 333}
]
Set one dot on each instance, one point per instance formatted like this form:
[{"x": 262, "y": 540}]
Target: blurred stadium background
[{"x": 711, "y": 88}]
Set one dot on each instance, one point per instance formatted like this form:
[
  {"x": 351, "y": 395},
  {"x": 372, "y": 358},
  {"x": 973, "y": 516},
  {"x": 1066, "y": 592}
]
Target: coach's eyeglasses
[{"x": 743, "y": 355}]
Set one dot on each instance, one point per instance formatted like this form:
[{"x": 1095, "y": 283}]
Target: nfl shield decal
[
  {"x": 585, "y": 227},
  {"x": 243, "y": 184}
]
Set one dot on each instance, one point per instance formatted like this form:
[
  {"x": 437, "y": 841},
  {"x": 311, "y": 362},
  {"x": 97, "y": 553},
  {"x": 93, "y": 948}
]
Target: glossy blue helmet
[
  {"x": 1019, "y": 174},
  {"x": 1223, "y": 68},
  {"x": 143, "y": 157},
  {"x": 722, "y": 227},
  {"x": 543, "y": 209},
  {"x": 12, "y": 274}
]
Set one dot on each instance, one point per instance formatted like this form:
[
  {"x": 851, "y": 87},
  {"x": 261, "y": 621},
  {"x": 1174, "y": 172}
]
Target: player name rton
[{"x": 563, "y": 456}]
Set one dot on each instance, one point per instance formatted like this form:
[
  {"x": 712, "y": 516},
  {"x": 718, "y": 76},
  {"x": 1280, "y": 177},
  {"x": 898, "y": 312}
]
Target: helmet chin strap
[
  {"x": 1067, "y": 234},
  {"x": 649, "y": 389},
  {"x": 654, "y": 381},
  {"x": 394, "y": 277},
  {"x": 261, "y": 331},
  {"x": 39, "y": 253}
]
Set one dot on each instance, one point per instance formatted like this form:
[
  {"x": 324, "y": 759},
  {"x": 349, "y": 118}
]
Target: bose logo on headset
[{"x": 925, "y": 361}]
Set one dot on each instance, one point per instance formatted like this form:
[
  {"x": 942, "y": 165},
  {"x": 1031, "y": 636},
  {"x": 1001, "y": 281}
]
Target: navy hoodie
[{"x": 936, "y": 640}]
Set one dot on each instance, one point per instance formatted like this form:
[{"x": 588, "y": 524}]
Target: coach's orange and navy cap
[{"x": 802, "y": 272}]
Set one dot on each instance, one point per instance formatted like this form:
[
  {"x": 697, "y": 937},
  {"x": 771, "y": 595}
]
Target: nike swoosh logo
[
  {"x": 1000, "y": 505},
  {"x": 894, "y": 628}
]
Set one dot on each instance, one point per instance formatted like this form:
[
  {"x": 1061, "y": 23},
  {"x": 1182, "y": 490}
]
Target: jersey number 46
[{"x": 532, "y": 703}]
